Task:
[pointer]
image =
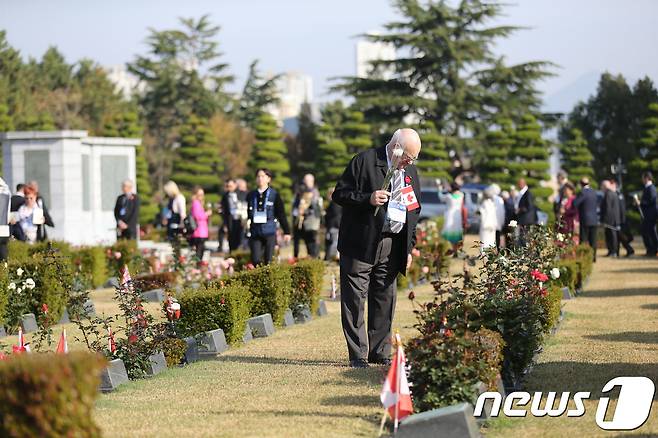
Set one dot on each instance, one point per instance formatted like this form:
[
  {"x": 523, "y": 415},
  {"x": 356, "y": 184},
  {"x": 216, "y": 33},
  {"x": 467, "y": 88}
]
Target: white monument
[{"x": 79, "y": 178}]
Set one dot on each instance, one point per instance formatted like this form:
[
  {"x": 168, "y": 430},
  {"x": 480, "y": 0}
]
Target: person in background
[
  {"x": 30, "y": 215},
  {"x": 559, "y": 198},
  {"x": 199, "y": 236},
  {"x": 568, "y": 211},
  {"x": 525, "y": 209},
  {"x": 508, "y": 232},
  {"x": 625, "y": 233},
  {"x": 126, "y": 212},
  {"x": 499, "y": 203},
  {"x": 455, "y": 217},
  {"x": 587, "y": 204},
  {"x": 610, "y": 218},
  {"x": 265, "y": 207},
  {"x": 488, "y": 219},
  {"x": 306, "y": 217},
  {"x": 17, "y": 200},
  {"x": 332, "y": 224},
  {"x": 649, "y": 215},
  {"x": 231, "y": 220},
  {"x": 42, "y": 234},
  {"x": 242, "y": 191},
  {"x": 5, "y": 214},
  {"x": 176, "y": 211}
]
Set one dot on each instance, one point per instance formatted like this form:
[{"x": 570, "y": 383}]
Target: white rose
[
  {"x": 19, "y": 290},
  {"x": 512, "y": 224},
  {"x": 175, "y": 306},
  {"x": 29, "y": 283},
  {"x": 19, "y": 271},
  {"x": 555, "y": 273},
  {"x": 12, "y": 286},
  {"x": 560, "y": 237},
  {"x": 397, "y": 152}
]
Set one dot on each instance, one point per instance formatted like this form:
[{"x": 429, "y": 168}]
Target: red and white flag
[
  {"x": 396, "y": 396},
  {"x": 21, "y": 347},
  {"x": 126, "y": 279},
  {"x": 409, "y": 198},
  {"x": 62, "y": 345},
  {"x": 111, "y": 344}
]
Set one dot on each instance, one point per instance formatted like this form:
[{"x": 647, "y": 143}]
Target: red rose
[
  {"x": 222, "y": 301},
  {"x": 539, "y": 276},
  {"x": 132, "y": 339},
  {"x": 44, "y": 308}
]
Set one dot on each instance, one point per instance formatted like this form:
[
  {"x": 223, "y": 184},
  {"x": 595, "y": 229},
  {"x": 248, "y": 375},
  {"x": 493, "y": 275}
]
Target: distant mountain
[{"x": 564, "y": 99}]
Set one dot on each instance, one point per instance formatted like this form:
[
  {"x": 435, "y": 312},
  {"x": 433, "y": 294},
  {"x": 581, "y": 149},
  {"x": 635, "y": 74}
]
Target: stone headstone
[
  {"x": 322, "y": 308},
  {"x": 29, "y": 323},
  {"x": 454, "y": 421},
  {"x": 157, "y": 363},
  {"x": 3, "y": 333},
  {"x": 303, "y": 315},
  {"x": 113, "y": 375},
  {"x": 192, "y": 351},
  {"x": 288, "y": 318},
  {"x": 261, "y": 326},
  {"x": 247, "y": 336},
  {"x": 64, "y": 319},
  {"x": 213, "y": 342},
  {"x": 481, "y": 388},
  {"x": 566, "y": 293},
  {"x": 153, "y": 296},
  {"x": 89, "y": 308},
  {"x": 111, "y": 282}
]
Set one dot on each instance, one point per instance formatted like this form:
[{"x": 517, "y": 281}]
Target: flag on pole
[
  {"x": 333, "y": 286},
  {"x": 21, "y": 347},
  {"x": 396, "y": 396},
  {"x": 62, "y": 345},
  {"x": 111, "y": 344},
  {"x": 126, "y": 280}
]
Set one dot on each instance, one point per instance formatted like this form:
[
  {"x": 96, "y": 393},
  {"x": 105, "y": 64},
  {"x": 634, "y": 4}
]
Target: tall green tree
[
  {"x": 258, "y": 93},
  {"x": 332, "y": 157},
  {"x": 355, "y": 133},
  {"x": 576, "y": 157},
  {"x": 303, "y": 147},
  {"x": 647, "y": 147},
  {"x": 184, "y": 75},
  {"x": 530, "y": 155},
  {"x": 6, "y": 124},
  {"x": 434, "y": 161},
  {"x": 494, "y": 160},
  {"x": 198, "y": 163},
  {"x": 269, "y": 151}
]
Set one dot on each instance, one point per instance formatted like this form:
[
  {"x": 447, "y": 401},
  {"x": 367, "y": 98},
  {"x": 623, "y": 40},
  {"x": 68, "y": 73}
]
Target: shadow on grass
[
  {"x": 280, "y": 361},
  {"x": 653, "y": 306},
  {"x": 637, "y": 337},
  {"x": 351, "y": 400},
  {"x": 590, "y": 377},
  {"x": 374, "y": 419},
  {"x": 614, "y": 293}
]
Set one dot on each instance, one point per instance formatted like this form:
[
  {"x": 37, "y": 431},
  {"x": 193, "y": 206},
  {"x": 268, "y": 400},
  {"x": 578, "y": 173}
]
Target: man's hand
[
  {"x": 409, "y": 260},
  {"x": 286, "y": 237},
  {"x": 380, "y": 197},
  {"x": 122, "y": 225}
]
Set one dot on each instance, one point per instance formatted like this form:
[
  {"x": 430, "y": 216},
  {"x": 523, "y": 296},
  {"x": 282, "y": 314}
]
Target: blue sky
[{"x": 585, "y": 37}]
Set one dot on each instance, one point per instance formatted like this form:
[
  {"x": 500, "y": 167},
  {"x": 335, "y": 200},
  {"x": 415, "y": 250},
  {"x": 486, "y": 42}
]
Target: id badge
[
  {"x": 260, "y": 217},
  {"x": 397, "y": 211},
  {"x": 122, "y": 212}
]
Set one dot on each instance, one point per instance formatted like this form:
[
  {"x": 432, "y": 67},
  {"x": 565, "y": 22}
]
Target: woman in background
[
  {"x": 568, "y": 211},
  {"x": 488, "y": 219},
  {"x": 175, "y": 210},
  {"x": 455, "y": 217},
  {"x": 30, "y": 215},
  {"x": 199, "y": 236}
]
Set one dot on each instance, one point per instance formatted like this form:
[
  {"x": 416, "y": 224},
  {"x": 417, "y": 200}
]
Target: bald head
[{"x": 409, "y": 140}]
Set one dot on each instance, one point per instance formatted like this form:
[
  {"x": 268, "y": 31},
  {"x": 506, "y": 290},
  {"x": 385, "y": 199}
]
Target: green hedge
[
  {"x": 18, "y": 250},
  {"x": 585, "y": 257},
  {"x": 53, "y": 278},
  {"x": 91, "y": 262},
  {"x": 307, "y": 277},
  {"x": 4, "y": 292},
  {"x": 271, "y": 289},
  {"x": 60, "y": 247},
  {"x": 227, "y": 308},
  {"x": 128, "y": 254},
  {"x": 569, "y": 271},
  {"x": 552, "y": 304},
  {"x": 48, "y": 395}
]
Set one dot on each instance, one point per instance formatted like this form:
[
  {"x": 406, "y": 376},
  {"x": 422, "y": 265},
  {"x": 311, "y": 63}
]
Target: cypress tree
[
  {"x": 495, "y": 156},
  {"x": 197, "y": 162},
  {"x": 530, "y": 159},
  {"x": 648, "y": 148},
  {"x": 269, "y": 151},
  {"x": 6, "y": 124},
  {"x": 355, "y": 133},
  {"x": 332, "y": 157},
  {"x": 576, "y": 157},
  {"x": 433, "y": 161}
]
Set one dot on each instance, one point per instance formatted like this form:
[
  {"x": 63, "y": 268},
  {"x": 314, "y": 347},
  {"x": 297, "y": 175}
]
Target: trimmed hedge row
[
  {"x": 215, "y": 307},
  {"x": 307, "y": 277},
  {"x": 160, "y": 280},
  {"x": 47, "y": 395}
]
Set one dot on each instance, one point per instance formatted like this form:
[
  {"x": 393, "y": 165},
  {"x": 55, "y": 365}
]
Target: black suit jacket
[
  {"x": 648, "y": 204},
  {"x": 16, "y": 202},
  {"x": 527, "y": 213},
  {"x": 131, "y": 211},
  {"x": 227, "y": 218},
  {"x": 587, "y": 204},
  {"x": 610, "y": 209},
  {"x": 360, "y": 230}
]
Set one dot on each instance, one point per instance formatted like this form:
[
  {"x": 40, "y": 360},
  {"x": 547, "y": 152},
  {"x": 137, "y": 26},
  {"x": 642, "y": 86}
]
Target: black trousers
[
  {"x": 649, "y": 236},
  {"x": 199, "y": 245},
  {"x": 588, "y": 235},
  {"x": 4, "y": 249},
  {"x": 612, "y": 241},
  {"x": 128, "y": 234},
  {"x": 235, "y": 233},
  {"x": 262, "y": 248},
  {"x": 361, "y": 282},
  {"x": 310, "y": 238}
]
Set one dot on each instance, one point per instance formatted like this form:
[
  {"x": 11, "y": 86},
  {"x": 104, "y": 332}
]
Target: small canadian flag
[
  {"x": 111, "y": 344},
  {"x": 126, "y": 279},
  {"x": 396, "y": 396},
  {"x": 21, "y": 347},
  {"x": 62, "y": 345}
]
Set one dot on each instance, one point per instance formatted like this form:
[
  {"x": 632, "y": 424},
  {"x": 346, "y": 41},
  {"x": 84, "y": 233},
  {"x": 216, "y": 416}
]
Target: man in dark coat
[
  {"x": 525, "y": 209},
  {"x": 232, "y": 226},
  {"x": 625, "y": 233},
  {"x": 126, "y": 212},
  {"x": 42, "y": 234},
  {"x": 5, "y": 207},
  {"x": 17, "y": 200},
  {"x": 587, "y": 204},
  {"x": 332, "y": 217},
  {"x": 610, "y": 218},
  {"x": 649, "y": 215},
  {"x": 377, "y": 234}
]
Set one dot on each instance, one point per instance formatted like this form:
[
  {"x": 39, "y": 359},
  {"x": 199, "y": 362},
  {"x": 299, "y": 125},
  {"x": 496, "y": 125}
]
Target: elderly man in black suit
[
  {"x": 376, "y": 236},
  {"x": 611, "y": 218},
  {"x": 525, "y": 209},
  {"x": 649, "y": 215},
  {"x": 126, "y": 212},
  {"x": 587, "y": 204}
]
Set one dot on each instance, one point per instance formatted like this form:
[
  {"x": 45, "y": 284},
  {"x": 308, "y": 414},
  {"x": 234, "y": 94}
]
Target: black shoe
[
  {"x": 385, "y": 361},
  {"x": 359, "y": 363},
  {"x": 630, "y": 254}
]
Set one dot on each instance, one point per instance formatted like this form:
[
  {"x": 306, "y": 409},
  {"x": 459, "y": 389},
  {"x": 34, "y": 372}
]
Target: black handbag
[{"x": 190, "y": 224}]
